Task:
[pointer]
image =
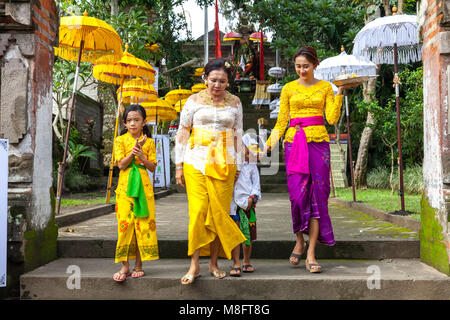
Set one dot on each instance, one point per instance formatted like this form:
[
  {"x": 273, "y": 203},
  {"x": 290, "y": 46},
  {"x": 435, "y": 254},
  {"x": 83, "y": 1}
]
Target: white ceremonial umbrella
[
  {"x": 276, "y": 110},
  {"x": 274, "y": 104},
  {"x": 275, "y": 88},
  {"x": 346, "y": 64},
  {"x": 391, "y": 40}
]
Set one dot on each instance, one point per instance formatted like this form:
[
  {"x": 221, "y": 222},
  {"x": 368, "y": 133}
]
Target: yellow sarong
[
  {"x": 209, "y": 197},
  {"x": 135, "y": 233}
]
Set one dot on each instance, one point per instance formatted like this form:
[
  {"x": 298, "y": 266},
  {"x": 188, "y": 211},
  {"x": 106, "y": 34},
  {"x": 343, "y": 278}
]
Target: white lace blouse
[{"x": 198, "y": 112}]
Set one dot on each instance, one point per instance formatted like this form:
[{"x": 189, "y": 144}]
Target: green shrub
[
  {"x": 378, "y": 178},
  {"x": 76, "y": 181},
  {"x": 412, "y": 179}
]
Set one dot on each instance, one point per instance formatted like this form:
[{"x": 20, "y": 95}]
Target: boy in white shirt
[{"x": 247, "y": 192}]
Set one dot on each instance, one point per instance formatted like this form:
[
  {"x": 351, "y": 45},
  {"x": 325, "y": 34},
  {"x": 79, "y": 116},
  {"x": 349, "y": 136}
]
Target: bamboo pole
[
  {"x": 62, "y": 166},
  {"x": 399, "y": 132},
  {"x": 111, "y": 166}
]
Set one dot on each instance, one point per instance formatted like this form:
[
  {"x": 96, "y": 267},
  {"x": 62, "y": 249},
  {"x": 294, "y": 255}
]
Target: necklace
[{"x": 206, "y": 97}]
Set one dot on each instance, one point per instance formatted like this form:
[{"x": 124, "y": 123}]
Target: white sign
[
  {"x": 3, "y": 208},
  {"x": 163, "y": 161},
  {"x": 155, "y": 85}
]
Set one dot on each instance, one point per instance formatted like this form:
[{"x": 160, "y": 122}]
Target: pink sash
[{"x": 299, "y": 158}]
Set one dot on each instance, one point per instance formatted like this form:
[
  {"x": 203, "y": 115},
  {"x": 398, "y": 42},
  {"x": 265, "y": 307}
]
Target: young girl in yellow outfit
[{"x": 134, "y": 152}]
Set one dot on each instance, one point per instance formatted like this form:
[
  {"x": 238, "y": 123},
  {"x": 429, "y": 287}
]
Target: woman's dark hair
[
  {"x": 309, "y": 53},
  {"x": 139, "y": 108},
  {"x": 219, "y": 64}
]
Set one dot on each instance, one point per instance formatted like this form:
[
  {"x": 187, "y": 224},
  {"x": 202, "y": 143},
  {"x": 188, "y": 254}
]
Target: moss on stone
[
  {"x": 40, "y": 245},
  {"x": 432, "y": 249}
]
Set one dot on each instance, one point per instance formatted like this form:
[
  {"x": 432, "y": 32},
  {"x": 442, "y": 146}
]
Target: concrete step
[
  {"x": 262, "y": 249},
  {"x": 279, "y": 178},
  {"x": 274, "y": 188},
  {"x": 399, "y": 279}
]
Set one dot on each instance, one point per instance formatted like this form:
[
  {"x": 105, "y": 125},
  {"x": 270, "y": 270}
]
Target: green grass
[
  {"x": 87, "y": 198},
  {"x": 382, "y": 199}
]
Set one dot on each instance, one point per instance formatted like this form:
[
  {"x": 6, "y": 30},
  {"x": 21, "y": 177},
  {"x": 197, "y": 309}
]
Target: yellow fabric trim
[{"x": 218, "y": 160}]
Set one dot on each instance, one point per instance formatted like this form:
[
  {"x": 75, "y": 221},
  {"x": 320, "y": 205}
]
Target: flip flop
[
  {"x": 121, "y": 275},
  {"x": 190, "y": 277},
  {"x": 137, "y": 271},
  {"x": 245, "y": 268},
  {"x": 236, "y": 274}
]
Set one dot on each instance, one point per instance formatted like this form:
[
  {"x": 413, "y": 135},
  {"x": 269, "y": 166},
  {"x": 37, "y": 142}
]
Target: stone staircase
[{"x": 372, "y": 259}]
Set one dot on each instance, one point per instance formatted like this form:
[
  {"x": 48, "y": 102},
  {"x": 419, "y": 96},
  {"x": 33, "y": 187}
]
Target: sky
[{"x": 195, "y": 19}]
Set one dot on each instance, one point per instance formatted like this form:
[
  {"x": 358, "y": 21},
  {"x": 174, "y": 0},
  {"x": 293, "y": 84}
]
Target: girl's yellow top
[
  {"x": 298, "y": 101},
  {"x": 123, "y": 146}
]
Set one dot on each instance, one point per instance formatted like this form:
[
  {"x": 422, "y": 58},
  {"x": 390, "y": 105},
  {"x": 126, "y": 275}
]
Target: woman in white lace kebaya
[{"x": 208, "y": 163}]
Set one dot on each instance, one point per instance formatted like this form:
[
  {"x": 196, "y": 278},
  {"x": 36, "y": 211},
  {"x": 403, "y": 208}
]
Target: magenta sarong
[
  {"x": 309, "y": 193},
  {"x": 299, "y": 153}
]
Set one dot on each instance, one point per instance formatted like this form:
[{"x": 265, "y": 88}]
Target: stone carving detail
[
  {"x": 13, "y": 100},
  {"x": 21, "y": 168},
  {"x": 446, "y": 13},
  {"x": 15, "y": 15}
]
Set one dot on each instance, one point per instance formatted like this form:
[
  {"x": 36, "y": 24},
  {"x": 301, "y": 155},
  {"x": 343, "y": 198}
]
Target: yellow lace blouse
[{"x": 298, "y": 101}]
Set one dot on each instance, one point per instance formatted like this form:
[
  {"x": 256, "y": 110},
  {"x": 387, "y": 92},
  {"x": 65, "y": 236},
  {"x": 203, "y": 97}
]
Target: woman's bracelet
[{"x": 179, "y": 167}]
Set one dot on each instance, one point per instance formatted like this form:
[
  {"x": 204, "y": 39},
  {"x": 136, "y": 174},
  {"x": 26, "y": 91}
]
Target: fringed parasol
[{"x": 87, "y": 39}]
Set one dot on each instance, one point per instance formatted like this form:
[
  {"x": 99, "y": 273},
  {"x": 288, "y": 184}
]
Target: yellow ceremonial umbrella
[
  {"x": 198, "y": 87},
  {"x": 179, "y": 105},
  {"x": 136, "y": 91},
  {"x": 175, "y": 95},
  {"x": 87, "y": 39},
  {"x": 159, "y": 110},
  {"x": 127, "y": 67},
  {"x": 160, "y": 116},
  {"x": 199, "y": 72}
]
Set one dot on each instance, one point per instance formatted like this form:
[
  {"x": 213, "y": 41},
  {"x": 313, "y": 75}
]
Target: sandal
[
  {"x": 135, "y": 273},
  {"x": 313, "y": 267},
  {"x": 236, "y": 270},
  {"x": 246, "y": 266},
  {"x": 122, "y": 276},
  {"x": 296, "y": 256},
  {"x": 216, "y": 274},
  {"x": 190, "y": 277}
]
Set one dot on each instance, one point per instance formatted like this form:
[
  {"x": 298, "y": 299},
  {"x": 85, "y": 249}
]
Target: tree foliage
[
  {"x": 411, "y": 119},
  {"x": 323, "y": 24}
]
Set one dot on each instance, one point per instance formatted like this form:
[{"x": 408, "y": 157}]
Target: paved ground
[{"x": 274, "y": 222}]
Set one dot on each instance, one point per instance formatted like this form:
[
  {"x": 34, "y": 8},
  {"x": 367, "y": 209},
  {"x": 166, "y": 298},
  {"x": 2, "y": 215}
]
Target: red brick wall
[
  {"x": 45, "y": 22},
  {"x": 435, "y": 32}
]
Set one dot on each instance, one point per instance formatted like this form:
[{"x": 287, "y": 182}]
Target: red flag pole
[
  {"x": 217, "y": 34},
  {"x": 261, "y": 57}
]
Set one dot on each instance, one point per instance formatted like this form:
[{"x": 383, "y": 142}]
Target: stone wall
[
  {"x": 28, "y": 31},
  {"x": 434, "y": 17}
]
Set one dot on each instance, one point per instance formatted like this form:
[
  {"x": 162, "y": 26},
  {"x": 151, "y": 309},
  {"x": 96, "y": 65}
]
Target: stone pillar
[
  {"x": 434, "y": 16},
  {"x": 28, "y": 32}
]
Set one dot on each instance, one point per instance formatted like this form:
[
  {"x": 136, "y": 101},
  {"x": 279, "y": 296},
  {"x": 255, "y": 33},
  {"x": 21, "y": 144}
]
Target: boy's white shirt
[{"x": 246, "y": 185}]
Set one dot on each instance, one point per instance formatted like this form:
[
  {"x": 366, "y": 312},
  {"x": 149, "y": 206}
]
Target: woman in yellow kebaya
[
  {"x": 134, "y": 153},
  {"x": 208, "y": 161},
  {"x": 303, "y": 104}
]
